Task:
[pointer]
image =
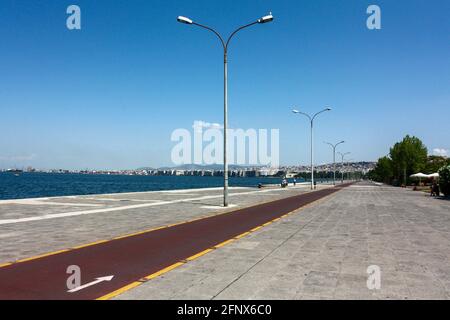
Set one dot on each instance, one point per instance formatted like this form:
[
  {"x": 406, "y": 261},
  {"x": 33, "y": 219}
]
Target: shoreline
[
  {"x": 39, "y": 186},
  {"x": 266, "y": 187}
]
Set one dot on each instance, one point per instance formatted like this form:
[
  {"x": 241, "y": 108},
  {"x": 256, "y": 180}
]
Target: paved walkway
[
  {"x": 110, "y": 267},
  {"x": 36, "y": 226},
  {"x": 323, "y": 252}
]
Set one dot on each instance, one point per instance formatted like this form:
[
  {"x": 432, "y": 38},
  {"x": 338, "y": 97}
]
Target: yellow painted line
[
  {"x": 138, "y": 283},
  {"x": 119, "y": 291},
  {"x": 138, "y": 233},
  {"x": 223, "y": 243},
  {"x": 242, "y": 235},
  {"x": 152, "y": 229},
  {"x": 41, "y": 256},
  {"x": 171, "y": 225},
  {"x": 89, "y": 244},
  {"x": 127, "y": 235},
  {"x": 5, "y": 264},
  {"x": 255, "y": 229},
  {"x": 165, "y": 270},
  {"x": 267, "y": 223},
  {"x": 195, "y": 256}
]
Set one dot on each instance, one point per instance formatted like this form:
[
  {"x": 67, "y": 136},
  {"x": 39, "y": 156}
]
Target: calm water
[{"x": 33, "y": 185}]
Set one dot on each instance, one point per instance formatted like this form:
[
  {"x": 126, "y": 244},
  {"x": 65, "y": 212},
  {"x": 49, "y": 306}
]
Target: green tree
[
  {"x": 444, "y": 180},
  {"x": 408, "y": 156},
  {"x": 434, "y": 163},
  {"x": 382, "y": 171}
]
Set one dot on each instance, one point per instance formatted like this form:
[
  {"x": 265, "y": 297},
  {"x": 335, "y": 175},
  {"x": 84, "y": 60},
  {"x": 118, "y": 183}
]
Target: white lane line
[
  {"x": 119, "y": 200},
  {"x": 135, "y": 206},
  {"x": 361, "y": 186},
  {"x": 124, "y": 193},
  {"x": 212, "y": 207},
  {"x": 200, "y": 189},
  {"x": 181, "y": 194},
  {"x": 33, "y": 202}
]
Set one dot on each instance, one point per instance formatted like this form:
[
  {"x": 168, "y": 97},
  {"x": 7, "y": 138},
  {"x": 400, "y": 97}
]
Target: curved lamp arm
[
  {"x": 343, "y": 154},
  {"x": 236, "y": 31},
  {"x": 334, "y": 145},
  {"x": 324, "y": 110},
  {"x": 339, "y": 143},
  {"x": 214, "y": 31},
  {"x": 265, "y": 19},
  {"x": 329, "y": 143},
  {"x": 305, "y": 114}
]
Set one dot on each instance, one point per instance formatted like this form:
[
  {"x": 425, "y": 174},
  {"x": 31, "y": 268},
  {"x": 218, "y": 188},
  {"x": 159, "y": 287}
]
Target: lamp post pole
[
  {"x": 312, "y": 155},
  {"x": 265, "y": 19},
  {"x": 342, "y": 164},
  {"x": 334, "y": 158},
  {"x": 349, "y": 175},
  {"x": 311, "y": 120}
]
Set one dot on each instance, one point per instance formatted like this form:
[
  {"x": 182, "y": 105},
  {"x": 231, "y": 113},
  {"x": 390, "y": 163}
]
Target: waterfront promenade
[
  {"x": 129, "y": 257},
  {"x": 323, "y": 251},
  {"x": 30, "y": 227},
  {"x": 320, "y": 251}
]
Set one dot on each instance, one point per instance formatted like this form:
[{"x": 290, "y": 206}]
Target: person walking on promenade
[{"x": 435, "y": 189}]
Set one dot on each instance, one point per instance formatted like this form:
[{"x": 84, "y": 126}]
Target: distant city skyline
[
  {"x": 109, "y": 96},
  {"x": 25, "y": 161},
  {"x": 362, "y": 166}
]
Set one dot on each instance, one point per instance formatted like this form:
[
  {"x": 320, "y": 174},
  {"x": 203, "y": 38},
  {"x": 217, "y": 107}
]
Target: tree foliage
[
  {"x": 405, "y": 158},
  {"x": 444, "y": 180},
  {"x": 408, "y": 156},
  {"x": 382, "y": 171},
  {"x": 434, "y": 163}
]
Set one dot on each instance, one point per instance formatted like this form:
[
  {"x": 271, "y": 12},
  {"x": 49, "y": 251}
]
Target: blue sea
[{"x": 35, "y": 185}]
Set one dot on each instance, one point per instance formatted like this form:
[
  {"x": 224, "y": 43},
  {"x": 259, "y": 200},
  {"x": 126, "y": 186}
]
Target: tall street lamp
[
  {"x": 311, "y": 120},
  {"x": 265, "y": 19},
  {"x": 334, "y": 158},
  {"x": 342, "y": 164},
  {"x": 349, "y": 175}
]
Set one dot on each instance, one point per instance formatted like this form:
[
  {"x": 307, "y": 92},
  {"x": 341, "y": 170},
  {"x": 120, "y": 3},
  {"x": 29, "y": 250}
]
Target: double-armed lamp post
[
  {"x": 334, "y": 158},
  {"x": 311, "y": 120},
  {"x": 349, "y": 175},
  {"x": 265, "y": 19},
  {"x": 342, "y": 164}
]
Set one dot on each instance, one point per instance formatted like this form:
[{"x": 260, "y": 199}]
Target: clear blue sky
[{"x": 109, "y": 96}]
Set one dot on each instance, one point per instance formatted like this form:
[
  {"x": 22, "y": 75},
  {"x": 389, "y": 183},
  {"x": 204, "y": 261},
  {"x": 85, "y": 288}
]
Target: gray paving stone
[{"x": 323, "y": 251}]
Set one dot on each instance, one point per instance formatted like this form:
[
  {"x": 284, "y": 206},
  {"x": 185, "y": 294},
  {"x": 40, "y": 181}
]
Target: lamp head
[
  {"x": 295, "y": 111},
  {"x": 265, "y": 19},
  {"x": 184, "y": 20}
]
